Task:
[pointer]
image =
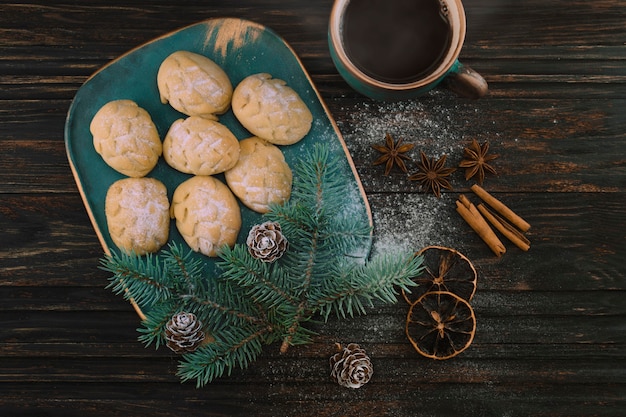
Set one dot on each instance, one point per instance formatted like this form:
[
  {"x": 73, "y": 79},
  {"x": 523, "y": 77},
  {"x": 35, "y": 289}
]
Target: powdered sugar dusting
[
  {"x": 411, "y": 222},
  {"x": 430, "y": 125},
  {"x": 404, "y": 218}
]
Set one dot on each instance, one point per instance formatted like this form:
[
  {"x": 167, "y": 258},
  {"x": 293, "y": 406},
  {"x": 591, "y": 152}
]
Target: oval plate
[{"x": 241, "y": 48}]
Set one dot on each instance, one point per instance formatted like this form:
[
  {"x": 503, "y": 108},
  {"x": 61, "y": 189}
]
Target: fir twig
[
  {"x": 153, "y": 326},
  {"x": 141, "y": 279},
  {"x": 253, "y": 303},
  {"x": 248, "y": 273},
  {"x": 232, "y": 347},
  {"x": 227, "y": 310},
  {"x": 380, "y": 279}
]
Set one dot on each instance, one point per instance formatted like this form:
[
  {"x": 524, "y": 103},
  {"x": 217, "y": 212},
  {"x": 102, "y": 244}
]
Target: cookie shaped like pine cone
[
  {"x": 351, "y": 368},
  {"x": 266, "y": 242},
  {"x": 183, "y": 332}
]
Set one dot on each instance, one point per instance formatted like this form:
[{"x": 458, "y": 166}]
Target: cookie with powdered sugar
[
  {"x": 207, "y": 214},
  {"x": 194, "y": 85},
  {"x": 271, "y": 110},
  {"x": 126, "y": 138},
  {"x": 261, "y": 176},
  {"x": 137, "y": 214},
  {"x": 200, "y": 146}
]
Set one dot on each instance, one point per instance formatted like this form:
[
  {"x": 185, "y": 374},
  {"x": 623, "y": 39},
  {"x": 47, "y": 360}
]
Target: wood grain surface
[{"x": 551, "y": 335}]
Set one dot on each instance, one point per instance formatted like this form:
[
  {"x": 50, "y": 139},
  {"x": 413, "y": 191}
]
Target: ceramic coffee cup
[{"x": 400, "y": 49}]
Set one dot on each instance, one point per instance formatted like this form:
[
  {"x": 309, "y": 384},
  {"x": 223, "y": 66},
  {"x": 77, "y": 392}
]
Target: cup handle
[{"x": 465, "y": 82}]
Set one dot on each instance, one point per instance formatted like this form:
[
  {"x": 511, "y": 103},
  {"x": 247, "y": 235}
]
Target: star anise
[
  {"x": 476, "y": 161},
  {"x": 392, "y": 154},
  {"x": 432, "y": 174}
]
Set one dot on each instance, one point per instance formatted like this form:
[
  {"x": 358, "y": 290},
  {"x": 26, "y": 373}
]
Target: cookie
[
  {"x": 194, "y": 85},
  {"x": 126, "y": 138},
  {"x": 207, "y": 214},
  {"x": 137, "y": 214},
  {"x": 200, "y": 146},
  {"x": 271, "y": 110},
  {"x": 261, "y": 176}
]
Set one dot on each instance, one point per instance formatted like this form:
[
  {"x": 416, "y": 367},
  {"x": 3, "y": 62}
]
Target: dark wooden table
[{"x": 551, "y": 332}]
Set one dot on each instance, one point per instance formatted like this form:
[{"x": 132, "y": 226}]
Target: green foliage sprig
[{"x": 254, "y": 303}]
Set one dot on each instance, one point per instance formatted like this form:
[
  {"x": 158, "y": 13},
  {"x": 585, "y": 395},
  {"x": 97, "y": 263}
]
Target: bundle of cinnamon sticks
[{"x": 498, "y": 215}]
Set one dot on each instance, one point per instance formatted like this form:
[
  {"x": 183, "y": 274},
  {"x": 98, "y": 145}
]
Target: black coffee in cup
[{"x": 396, "y": 41}]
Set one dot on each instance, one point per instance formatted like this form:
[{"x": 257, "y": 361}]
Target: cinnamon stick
[
  {"x": 475, "y": 220},
  {"x": 497, "y": 205},
  {"x": 504, "y": 227}
]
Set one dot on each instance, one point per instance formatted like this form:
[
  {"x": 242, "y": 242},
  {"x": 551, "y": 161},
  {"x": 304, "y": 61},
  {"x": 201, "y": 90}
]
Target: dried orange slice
[
  {"x": 445, "y": 269},
  {"x": 440, "y": 325}
]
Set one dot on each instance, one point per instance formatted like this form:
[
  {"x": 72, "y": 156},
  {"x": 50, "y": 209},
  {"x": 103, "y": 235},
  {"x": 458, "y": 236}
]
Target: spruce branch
[
  {"x": 153, "y": 326},
  {"x": 252, "y": 303},
  {"x": 209, "y": 304},
  {"x": 380, "y": 279},
  {"x": 143, "y": 280},
  {"x": 241, "y": 269},
  {"x": 186, "y": 272},
  {"x": 232, "y": 347},
  {"x": 293, "y": 328}
]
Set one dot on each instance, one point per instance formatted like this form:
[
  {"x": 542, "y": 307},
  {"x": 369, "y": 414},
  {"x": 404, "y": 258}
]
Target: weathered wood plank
[
  {"x": 480, "y": 399},
  {"x": 52, "y": 237},
  {"x": 552, "y": 145}
]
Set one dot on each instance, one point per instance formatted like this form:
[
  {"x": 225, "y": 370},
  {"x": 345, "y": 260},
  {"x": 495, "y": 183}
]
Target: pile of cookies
[{"x": 206, "y": 210}]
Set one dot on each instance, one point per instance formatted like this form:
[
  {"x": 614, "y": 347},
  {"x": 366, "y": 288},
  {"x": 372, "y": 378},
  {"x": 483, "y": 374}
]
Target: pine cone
[
  {"x": 266, "y": 242},
  {"x": 183, "y": 332},
  {"x": 351, "y": 368}
]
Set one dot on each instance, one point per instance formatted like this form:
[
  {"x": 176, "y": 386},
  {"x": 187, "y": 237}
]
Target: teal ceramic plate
[{"x": 241, "y": 48}]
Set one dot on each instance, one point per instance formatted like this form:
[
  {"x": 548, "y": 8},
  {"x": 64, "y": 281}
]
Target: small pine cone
[
  {"x": 266, "y": 242},
  {"x": 183, "y": 332},
  {"x": 351, "y": 367}
]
